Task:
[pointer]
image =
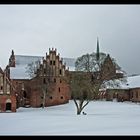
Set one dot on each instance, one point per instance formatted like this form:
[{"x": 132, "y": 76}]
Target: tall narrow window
[
  {"x": 1, "y": 88},
  {"x": 59, "y": 89},
  {"x": 60, "y": 72},
  {"x": 44, "y": 81},
  {"x": 136, "y": 94},
  {"x": 44, "y": 71},
  {"x": 53, "y": 62},
  {"x": 50, "y": 62},
  {"x": 60, "y": 81},
  {"x": 24, "y": 94}
]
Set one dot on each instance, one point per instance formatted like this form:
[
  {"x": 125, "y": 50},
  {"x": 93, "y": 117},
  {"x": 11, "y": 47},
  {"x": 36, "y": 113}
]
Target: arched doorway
[{"x": 8, "y": 104}]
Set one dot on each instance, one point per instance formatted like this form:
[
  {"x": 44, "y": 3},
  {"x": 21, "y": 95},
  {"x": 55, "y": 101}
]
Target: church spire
[{"x": 97, "y": 51}]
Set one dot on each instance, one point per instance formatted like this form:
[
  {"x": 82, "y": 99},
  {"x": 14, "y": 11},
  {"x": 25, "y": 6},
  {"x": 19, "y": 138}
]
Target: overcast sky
[{"x": 73, "y": 30}]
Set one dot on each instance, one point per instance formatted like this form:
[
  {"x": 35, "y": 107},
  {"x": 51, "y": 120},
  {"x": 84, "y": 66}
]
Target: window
[
  {"x": 44, "y": 71},
  {"x": 51, "y": 97},
  {"x": 1, "y": 88},
  {"x": 136, "y": 94},
  {"x": 60, "y": 71},
  {"x": 59, "y": 89},
  {"x": 54, "y": 80},
  {"x": 53, "y": 62},
  {"x": 61, "y": 97},
  {"x": 50, "y": 62},
  {"x": 44, "y": 81},
  {"x": 60, "y": 81},
  {"x": 131, "y": 94},
  {"x": 24, "y": 94}
]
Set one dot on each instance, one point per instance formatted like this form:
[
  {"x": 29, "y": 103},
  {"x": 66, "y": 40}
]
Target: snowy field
[{"x": 103, "y": 118}]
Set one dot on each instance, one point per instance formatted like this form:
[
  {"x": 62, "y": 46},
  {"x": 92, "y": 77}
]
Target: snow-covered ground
[{"x": 103, "y": 118}]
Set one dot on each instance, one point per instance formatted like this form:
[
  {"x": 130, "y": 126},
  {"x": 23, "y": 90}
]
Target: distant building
[
  {"x": 7, "y": 94},
  {"x": 129, "y": 91}
]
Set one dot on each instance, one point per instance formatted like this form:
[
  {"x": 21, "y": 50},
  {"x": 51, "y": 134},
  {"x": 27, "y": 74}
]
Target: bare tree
[
  {"x": 91, "y": 75},
  {"x": 31, "y": 68},
  {"x": 42, "y": 75}
]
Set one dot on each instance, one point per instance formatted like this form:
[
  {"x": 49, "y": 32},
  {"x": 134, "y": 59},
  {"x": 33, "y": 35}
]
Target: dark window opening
[
  {"x": 60, "y": 72},
  {"x": 54, "y": 80},
  {"x": 59, "y": 89},
  {"x": 50, "y": 97},
  {"x": 1, "y": 88},
  {"x": 8, "y": 106},
  {"x": 24, "y": 94},
  {"x": 41, "y": 105},
  {"x": 53, "y": 62},
  {"x": 131, "y": 94},
  {"x": 41, "y": 97},
  {"x": 136, "y": 94},
  {"x": 61, "y": 97},
  {"x": 44, "y": 80},
  {"x": 44, "y": 71},
  {"x": 60, "y": 81}
]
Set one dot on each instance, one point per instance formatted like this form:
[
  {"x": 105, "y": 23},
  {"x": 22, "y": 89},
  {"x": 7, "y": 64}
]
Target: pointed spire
[
  {"x": 97, "y": 51},
  {"x": 12, "y": 52}
]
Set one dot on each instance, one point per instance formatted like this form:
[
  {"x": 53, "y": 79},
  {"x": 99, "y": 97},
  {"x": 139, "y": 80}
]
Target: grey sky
[{"x": 73, "y": 30}]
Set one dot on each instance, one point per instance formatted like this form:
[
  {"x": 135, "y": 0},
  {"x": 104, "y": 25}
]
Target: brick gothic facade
[
  {"x": 48, "y": 87},
  {"x": 7, "y": 94}
]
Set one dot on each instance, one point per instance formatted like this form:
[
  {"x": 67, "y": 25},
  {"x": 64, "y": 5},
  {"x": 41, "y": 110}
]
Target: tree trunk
[{"x": 79, "y": 110}]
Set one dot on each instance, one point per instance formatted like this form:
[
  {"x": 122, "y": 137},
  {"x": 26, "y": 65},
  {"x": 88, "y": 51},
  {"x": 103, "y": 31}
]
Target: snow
[
  {"x": 133, "y": 81},
  {"x": 103, "y": 118},
  {"x": 22, "y": 61}
]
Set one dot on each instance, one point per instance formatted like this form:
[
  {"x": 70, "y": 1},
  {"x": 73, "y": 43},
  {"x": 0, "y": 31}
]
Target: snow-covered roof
[
  {"x": 132, "y": 82},
  {"x": 22, "y": 61},
  {"x": 119, "y": 71}
]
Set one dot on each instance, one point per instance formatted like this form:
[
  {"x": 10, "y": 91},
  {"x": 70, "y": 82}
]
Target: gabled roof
[{"x": 22, "y": 61}]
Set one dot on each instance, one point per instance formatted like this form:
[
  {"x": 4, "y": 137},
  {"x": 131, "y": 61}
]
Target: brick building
[
  {"x": 39, "y": 81},
  {"x": 7, "y": 94}
]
